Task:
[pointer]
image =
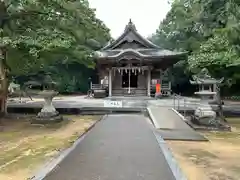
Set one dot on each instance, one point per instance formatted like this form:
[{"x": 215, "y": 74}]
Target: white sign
[{"x": 117, "y": 104}]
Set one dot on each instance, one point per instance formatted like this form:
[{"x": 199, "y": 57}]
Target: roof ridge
[{"x": 131, "y": 27}]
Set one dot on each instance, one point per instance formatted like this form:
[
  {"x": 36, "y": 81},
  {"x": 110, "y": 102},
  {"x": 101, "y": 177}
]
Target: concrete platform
[
  {"x": 75, "y": 110},
  {"x": 120, "y": 147},
  {"x": 79, "y": 105},
  {"x": 76, "y": 102}
]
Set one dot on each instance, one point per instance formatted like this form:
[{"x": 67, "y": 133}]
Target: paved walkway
[{"x": 120, "y": 147}]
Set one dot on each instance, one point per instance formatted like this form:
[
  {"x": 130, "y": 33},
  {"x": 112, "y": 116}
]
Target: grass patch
[
  {"x": 234, "y": 122},
  {"x": 216, "y": 159},
  {"x": 199, "y": 156},
  {"x": 234, "y": 135},
  {"x": 223, "y": 135},
  {"x": 25, "y": 146},
  {"x": 31, "y": 152},
  {"x": 201, "y": 153}
]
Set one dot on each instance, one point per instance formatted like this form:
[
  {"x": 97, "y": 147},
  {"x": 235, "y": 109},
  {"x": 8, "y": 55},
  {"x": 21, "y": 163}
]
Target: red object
[{"x": 158, "y": 88}]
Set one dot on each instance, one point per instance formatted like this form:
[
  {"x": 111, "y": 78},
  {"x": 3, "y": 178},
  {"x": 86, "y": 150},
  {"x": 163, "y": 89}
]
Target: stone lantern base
[
  {"x": 47, "y": 118},
  {"x": 48, "y": 113}
]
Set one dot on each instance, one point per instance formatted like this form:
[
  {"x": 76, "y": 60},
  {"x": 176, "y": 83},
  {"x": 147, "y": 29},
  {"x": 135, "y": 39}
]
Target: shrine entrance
[{"x": 129, "y": 79}]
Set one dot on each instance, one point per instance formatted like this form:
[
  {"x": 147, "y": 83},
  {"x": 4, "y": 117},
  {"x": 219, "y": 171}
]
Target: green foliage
[
  {"x": 71, "y": 80},
  {"x": 209, "y": 30},
  {"x": 217, "y": 51},
  {"x": 38, "y": 34}
]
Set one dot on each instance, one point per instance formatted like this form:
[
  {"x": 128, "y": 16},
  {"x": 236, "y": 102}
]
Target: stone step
[
  {"x": 134, "y": 93},
  {"x": 129, "y": 95}
]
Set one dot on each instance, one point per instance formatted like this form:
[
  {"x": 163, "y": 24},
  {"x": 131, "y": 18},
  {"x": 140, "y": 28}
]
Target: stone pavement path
[
  {"x": 120, "y": 147},
  {"x": 166, "y": 118},
  {"x": 171, "y": 126}
]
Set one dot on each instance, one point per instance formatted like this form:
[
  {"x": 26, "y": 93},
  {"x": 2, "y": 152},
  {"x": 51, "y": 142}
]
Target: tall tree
[{"x": 36, "y": 34}]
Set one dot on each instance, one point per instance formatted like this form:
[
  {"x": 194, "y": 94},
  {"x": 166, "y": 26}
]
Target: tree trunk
[
  {"x": 4, "y": 96},
  {"x": 4, "y": 82}
]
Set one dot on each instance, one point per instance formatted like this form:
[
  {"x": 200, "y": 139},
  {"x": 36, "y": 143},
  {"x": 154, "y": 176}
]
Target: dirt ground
[
  {"x": 24, "y": 147},
  {"x": 218, "y": 159}
]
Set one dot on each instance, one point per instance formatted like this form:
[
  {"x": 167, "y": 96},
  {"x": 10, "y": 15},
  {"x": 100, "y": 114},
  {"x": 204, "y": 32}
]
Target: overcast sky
[{"x": 145, "y": 14}]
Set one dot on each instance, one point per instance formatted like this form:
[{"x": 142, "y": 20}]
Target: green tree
[
  {"x": 38, "y": 33},
  {"x": 209, "y": 30}
]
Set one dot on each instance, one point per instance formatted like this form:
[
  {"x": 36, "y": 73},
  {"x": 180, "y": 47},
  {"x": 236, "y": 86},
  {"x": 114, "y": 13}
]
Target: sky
[{"x": 145, "y": 14}]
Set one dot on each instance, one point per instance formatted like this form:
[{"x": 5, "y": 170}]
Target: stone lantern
[
  {"x": 208, "y": 90},
  {"x": 48, "y": 112}
]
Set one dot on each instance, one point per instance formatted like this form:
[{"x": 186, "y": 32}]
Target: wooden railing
[
  {"x": 98, "y": 86},
  {"x": 97, "y": 91}
]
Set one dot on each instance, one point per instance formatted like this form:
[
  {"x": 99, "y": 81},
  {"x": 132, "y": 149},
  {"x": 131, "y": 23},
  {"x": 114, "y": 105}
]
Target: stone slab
[
  {"x": 120, "y": 147},
  {"x": 166, "y": 118},
  {"x": 181, "y": 135},
  {"x": 171, "y": 126}
]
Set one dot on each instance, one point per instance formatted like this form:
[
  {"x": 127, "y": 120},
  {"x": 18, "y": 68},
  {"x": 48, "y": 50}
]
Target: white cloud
[{"x": 145, "y": 14}]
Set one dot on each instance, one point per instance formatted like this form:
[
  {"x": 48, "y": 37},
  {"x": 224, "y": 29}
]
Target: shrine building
[{"x": 133, "y": 65}]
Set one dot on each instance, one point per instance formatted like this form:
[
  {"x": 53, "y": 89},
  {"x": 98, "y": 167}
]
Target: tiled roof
[{"x": 138, "y": 52}]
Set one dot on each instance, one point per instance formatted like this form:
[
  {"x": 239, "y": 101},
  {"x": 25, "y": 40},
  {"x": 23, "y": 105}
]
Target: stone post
[{"x": 215, "y": 90}]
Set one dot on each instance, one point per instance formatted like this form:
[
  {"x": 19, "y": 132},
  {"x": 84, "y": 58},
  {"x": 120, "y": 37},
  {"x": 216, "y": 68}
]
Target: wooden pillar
[
  {"x": 110, "y": 83},
  {"x": 149, "y": 83},
  {"x": 129, "y": 81},
  {"x": 160, "y": 77},
  {"x": 170, "y": 87}
]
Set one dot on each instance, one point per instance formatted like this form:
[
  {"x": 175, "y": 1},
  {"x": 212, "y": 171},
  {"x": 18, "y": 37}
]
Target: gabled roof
[
  {"x": 130, "y": 34},
  {"x": 131, "y": 45}
]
